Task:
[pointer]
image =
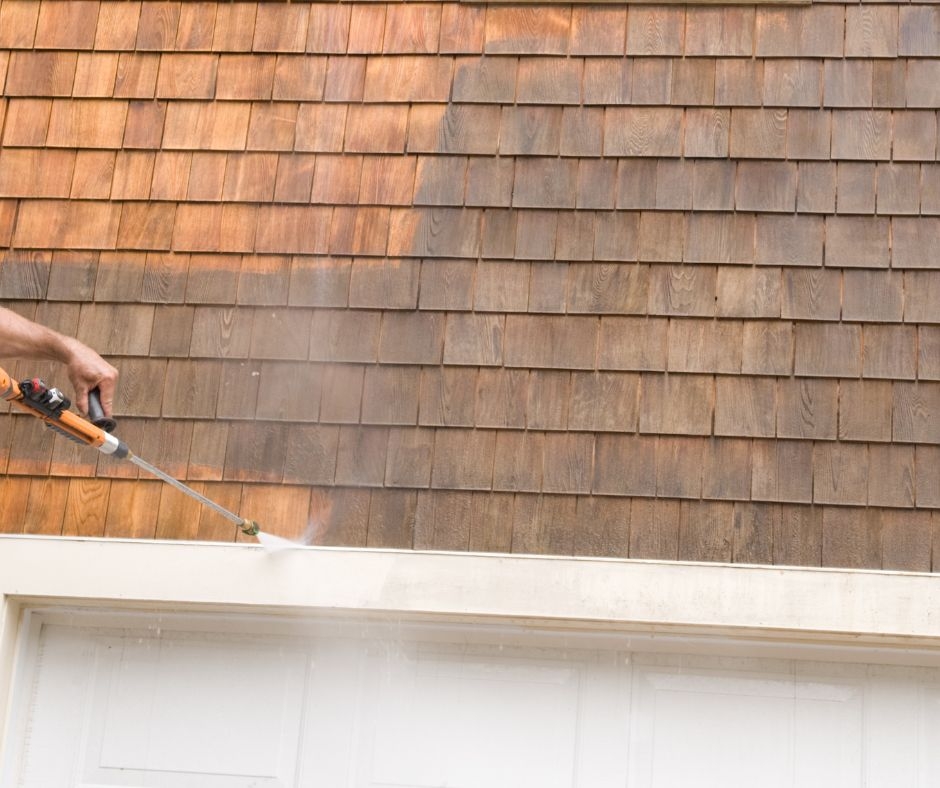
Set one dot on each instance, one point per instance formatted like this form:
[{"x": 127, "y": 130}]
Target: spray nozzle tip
[{"x": 250, "y": 527}]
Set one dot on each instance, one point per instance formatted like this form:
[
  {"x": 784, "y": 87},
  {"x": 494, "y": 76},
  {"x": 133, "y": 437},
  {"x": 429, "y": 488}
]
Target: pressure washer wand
[{"x": 50, "y": 406}]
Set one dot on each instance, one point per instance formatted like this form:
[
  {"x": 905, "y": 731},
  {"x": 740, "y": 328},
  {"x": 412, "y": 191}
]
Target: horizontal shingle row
[
  {"x": 503, "y": 460},
  {"x": 491, "y": 289},
  {"x": 665, "y": 529},
  {"x": 857, "y": 188},
  {"x": 817, "y": 31},
  {"x": 662, "y": 237},
  {"x": 626, "y": 131}
]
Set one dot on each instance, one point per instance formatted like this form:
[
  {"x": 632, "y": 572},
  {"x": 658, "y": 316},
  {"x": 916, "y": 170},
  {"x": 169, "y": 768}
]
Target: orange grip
[{"x": 70, "y": 423}]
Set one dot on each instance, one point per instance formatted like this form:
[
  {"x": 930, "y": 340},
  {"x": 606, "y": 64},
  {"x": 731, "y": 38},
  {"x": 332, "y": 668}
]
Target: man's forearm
[{"x": 23, "y": 338}]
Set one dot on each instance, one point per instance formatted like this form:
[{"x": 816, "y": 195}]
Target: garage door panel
[
  {"x": 697, "y": 725},
  {"x": 167, "y": 711},
  {"x": 148, "y": 721},
  {"x": 468, "y": 720}
]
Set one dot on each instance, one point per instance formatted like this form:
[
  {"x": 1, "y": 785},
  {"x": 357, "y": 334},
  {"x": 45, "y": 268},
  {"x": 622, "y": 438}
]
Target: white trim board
[{"x": 892, "y": 613}]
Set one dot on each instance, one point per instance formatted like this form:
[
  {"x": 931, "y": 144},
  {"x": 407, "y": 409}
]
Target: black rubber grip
[{"x": 96, "y": 412}]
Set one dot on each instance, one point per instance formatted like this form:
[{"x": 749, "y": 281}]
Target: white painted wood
[{"x": 129, "y": 700}]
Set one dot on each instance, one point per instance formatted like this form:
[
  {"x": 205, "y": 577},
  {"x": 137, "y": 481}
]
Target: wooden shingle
[
  {"x": 191, "y": 76},
  {"x": 70, "y": 225},
  {"x": 241, "y": 77},
  {"x": 871, "y": 31},
  {"x": 461, "y": 29},
  {"x": 753, "y": 533},
  {"x": 748, "y": 292},
  {"x": 726, "y": 31},
  {"x": 767, "y": 348},
  {"x": 136, "y": 75},
  {"x": 890, "y": 83},
  {"x": 693, "y": 82},
  {"x": 840, "y": 473},
  {"x": 518, "y": 461},
  {"x": 906, "y": 541},
  {"x": 789, "y": 240},
  {"x": 196, "y": 27},
  {"x": 345, "y": 79},
  {"x": 914, "y": 136},
  {"x": 463, "y": 459},
  {"x": 412, "y": 29},
  {"x": 632, "y": 343},
  {"x": 682, "y": 290},
  {"x": 328, "y": 28},
  {"x": 726, "y": 469},
  {"x": 474, "y": 339},
  {"x": 86, "y": 507},
  {"x": 33, "y": 172},
  {"x": 67, "y": 25},
  {"x": 798, "y": 536},
  {"x": 341, "y": 398},
  {"x": 408, "y": 78},
  {"x": 32, "y": 73},
  {"x": 851, "y": 537},
  {"x": 528, "y": 31},
  {"x": 912, "y": 241},
  {"x": 861, "y": 134},
  {"x": 793, "y": 82},
  {"x": 679, "y": 467},
  {"x": 766, "y": 186},
  {"x": 828, "y": 349},
  {"x": 548, "y": 287},
  {"x": 157, "y": 26},
  {"x": 758, "y": 133},
  {"x": 643, "y": 131},
  {"x": 598, "y": 31},
  {"x": 547, "y": 403},
  {"x": 806, "y": 32},
  {"x": 145, "y": 121},
  {"x": 280, "y": 28},
  {"x": 782, "y": 471},
  {"x": 890, "y": 352},
  {"x": 891, "y": 476},
  {"x": 745, "y": 406},
  {"x": 206, "y": 126},
  {"x": 447, "y": 396},
  {"x": 847, "y": 83},
  {"x": 408, "y": 462},
  {"x": 916, "y": 412},
  {"x": 808, "y": 408},
  {"x": 18, "y": 25},
  {"x": 706, "y": 531},
  {"x": 603, "y": 402},
  {"x": 676, "y": 404},
  {"x": 809, "y": 134},
  {"x": 916, "y": 32},
  {"x": 608, "y": 288},
  {"x": 345, "y": 336}
]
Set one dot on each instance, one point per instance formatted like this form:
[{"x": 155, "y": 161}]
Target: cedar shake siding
[{"x": 646, "y": 281}]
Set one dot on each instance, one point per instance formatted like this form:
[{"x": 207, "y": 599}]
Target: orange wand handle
[{"x": 60, "y": 418}]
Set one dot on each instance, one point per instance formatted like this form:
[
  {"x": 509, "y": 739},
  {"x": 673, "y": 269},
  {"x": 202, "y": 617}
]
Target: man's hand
[{"x": 87, "y": 370}]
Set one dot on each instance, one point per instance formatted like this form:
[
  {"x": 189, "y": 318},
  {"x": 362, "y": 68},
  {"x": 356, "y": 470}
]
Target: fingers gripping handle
[{"x": 96, "y": 412}]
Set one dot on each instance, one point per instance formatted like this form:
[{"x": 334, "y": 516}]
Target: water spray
[{"x": 51, "y": 406}]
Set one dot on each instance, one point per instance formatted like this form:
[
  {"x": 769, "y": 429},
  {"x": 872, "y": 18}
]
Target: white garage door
[{"x": 238, "y": 703}]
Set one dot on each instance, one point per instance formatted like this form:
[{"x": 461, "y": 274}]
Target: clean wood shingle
[
  {"x": 462, "y": 29},
  {"x": 726, "y": 31},
  {"x": 328, "y": 28}
]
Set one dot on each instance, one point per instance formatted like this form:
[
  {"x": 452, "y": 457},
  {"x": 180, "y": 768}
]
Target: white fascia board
[{"x": 831, "y": 604}]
